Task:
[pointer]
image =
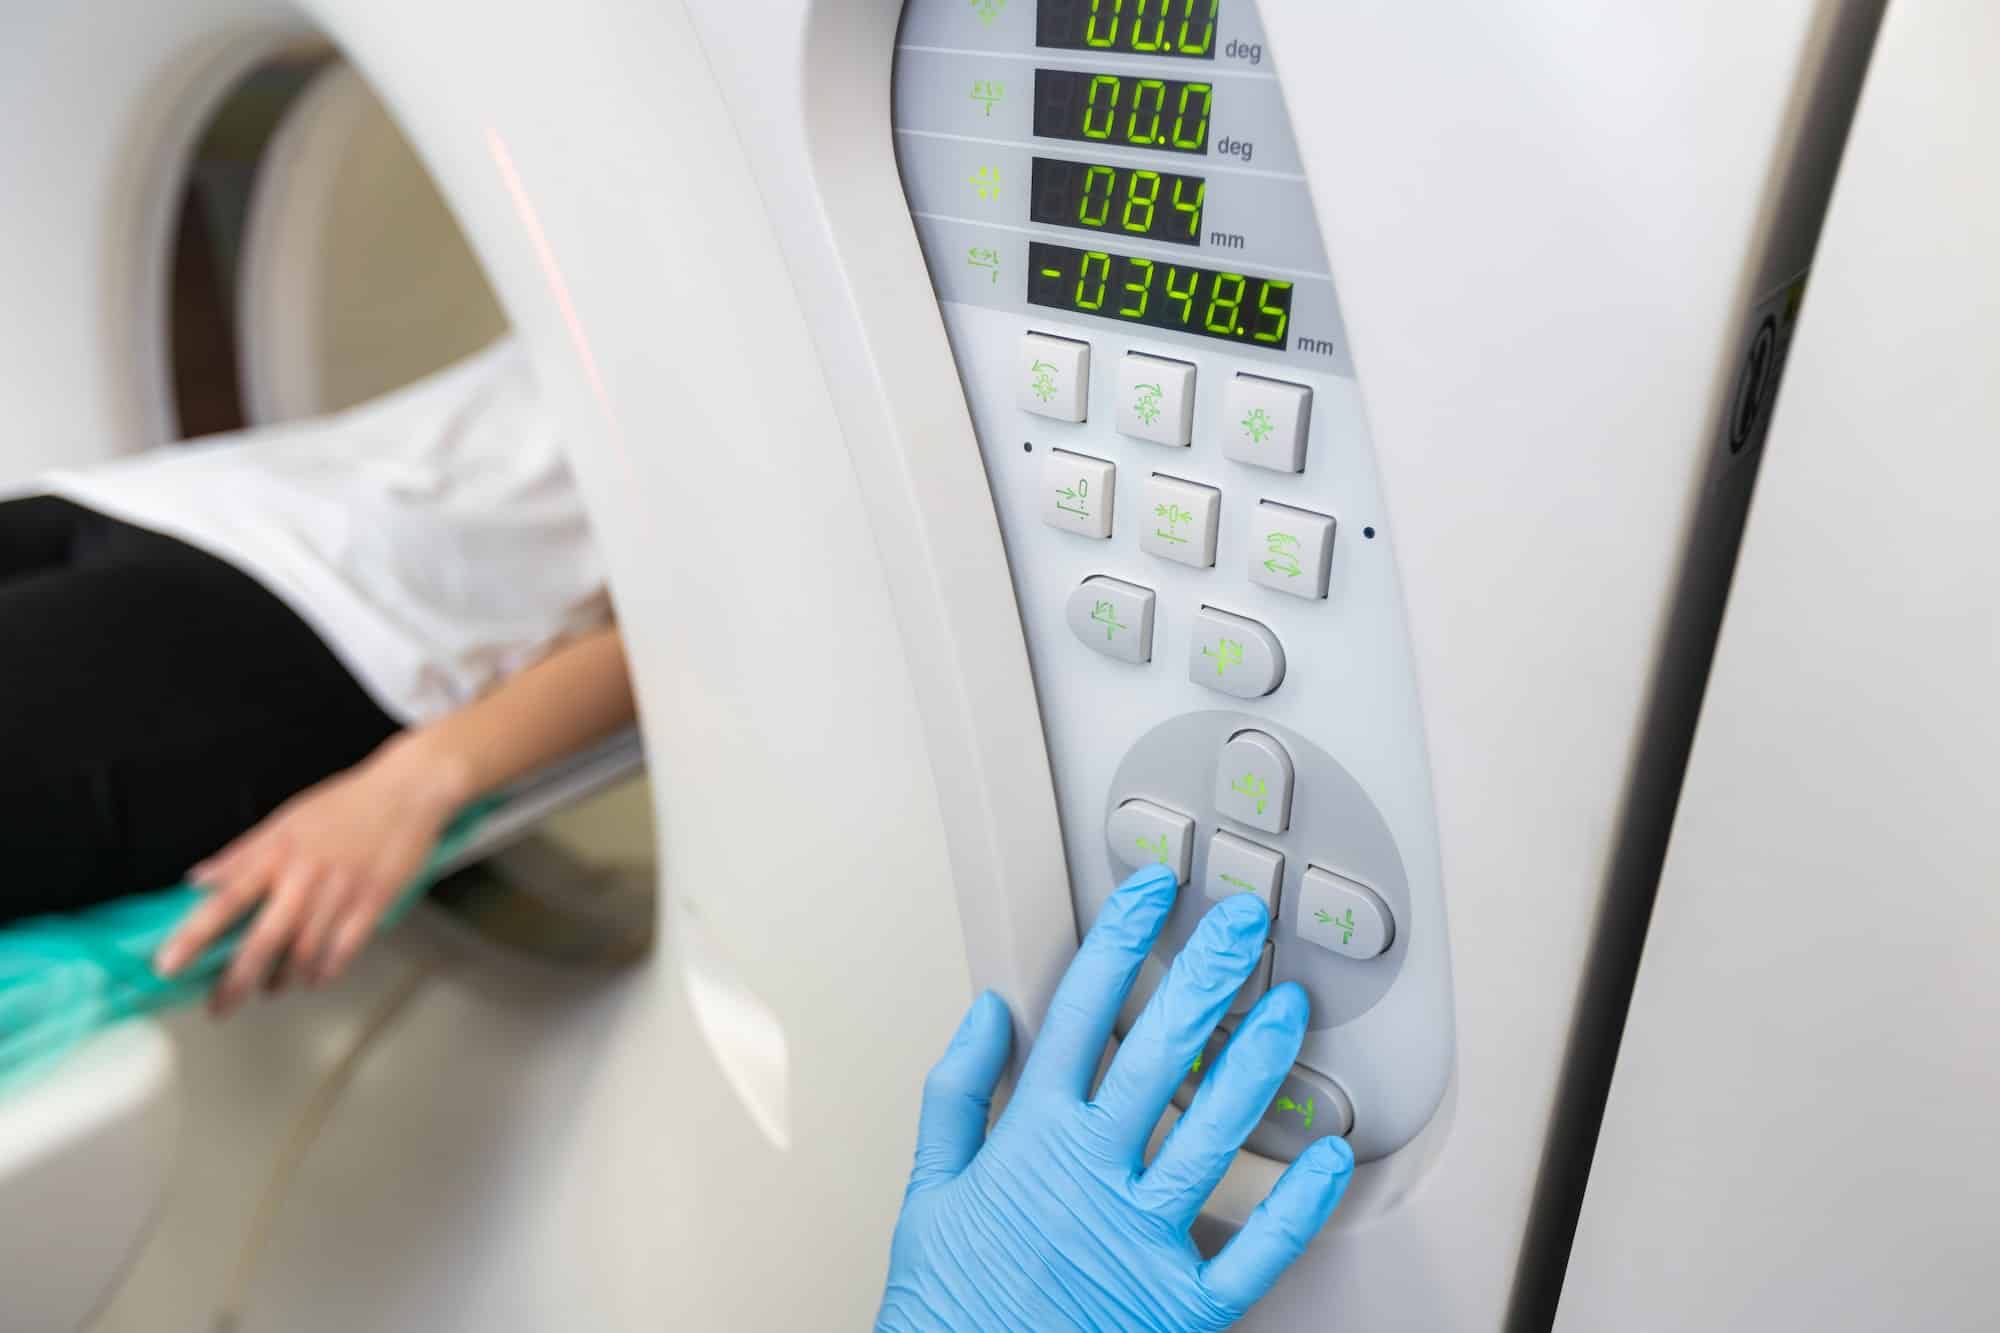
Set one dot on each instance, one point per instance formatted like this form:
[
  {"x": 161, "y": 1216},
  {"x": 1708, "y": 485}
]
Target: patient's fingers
[
  {"x": 333, "y": 899},
  {"x": 229, "y": 897},
  {"x": 274, "y": 928},
  {"x": 355, "y": 928}
]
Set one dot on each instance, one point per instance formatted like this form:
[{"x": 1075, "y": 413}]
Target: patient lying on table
[{"x": 286, "y": 658}]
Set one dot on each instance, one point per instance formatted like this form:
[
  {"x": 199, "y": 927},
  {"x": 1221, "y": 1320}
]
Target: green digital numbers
[
  {"x": 1140, "y": 283},
  {"x": 1274, "y": 334},
  {"x": 1184, "y": 295},
  {"x": 1105, "y": 90},
  {"x": 1190, "y": 45},
  {"x": 1181, "y": 298},
  {"x": 1095, "y": 208},
  {"x": 1102, "y": 31},
  {"x": 1190, "y": 209},
  {"x": 1225, "y": 304},
  {"x": 1090, "y": 288},
  {"x": 1142, "y": 197},
  {"x": 1149, "y": 103},
  {"x": 1198, "y": 99}
]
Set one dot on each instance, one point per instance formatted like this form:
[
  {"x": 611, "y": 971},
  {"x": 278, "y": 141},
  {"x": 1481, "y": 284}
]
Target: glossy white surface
[
  {"x": 85, "y": 1153},
  {"x": 1802, "y": 1134}
]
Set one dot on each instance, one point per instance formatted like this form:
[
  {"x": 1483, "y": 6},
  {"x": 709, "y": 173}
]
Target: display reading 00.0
[
  {"x": 1128, "y": 201},
  {"x": 1237, "y": 307},
  {"x": 1143, "y": 27},
  {"x": 1126, "y": 111}
]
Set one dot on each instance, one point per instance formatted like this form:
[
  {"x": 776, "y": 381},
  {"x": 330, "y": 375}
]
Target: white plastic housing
[{"x": 1802, "y": 1130}]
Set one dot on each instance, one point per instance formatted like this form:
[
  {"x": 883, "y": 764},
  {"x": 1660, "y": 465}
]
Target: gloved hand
[{"x": 1054, "y": 1222}]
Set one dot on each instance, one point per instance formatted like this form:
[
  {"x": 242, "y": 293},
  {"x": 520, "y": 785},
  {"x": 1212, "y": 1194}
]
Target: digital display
[
  {"x": 1127, "y": 201},
  {"x": 1235, "y": 307},
  {"x": 1126, "y": 111},
  {"x": 1142, "y": 27}
]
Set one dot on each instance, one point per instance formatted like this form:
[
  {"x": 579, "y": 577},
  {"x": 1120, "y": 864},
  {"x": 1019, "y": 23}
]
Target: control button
[
  {"x": 1264, "y": 423},
  {"x": 1292, "y": 550},
  {"x": 1234, "y": 655},
  {"x": 1253, "y": 990},
  {"x": 1306, "y": 1107},
  {"x": 1253, "y": 782},
  {"x": 1144, "y": 834},
  {"x": 1156, "y": 400},
  {"x": 1077, "y": 493},
  {"x": 1114, "y": 617},
  {"x": 1180, "y": 520},
  {"x": 1239, "y": 866},
  {"x": 1338, "y": 914},
  {"x": 1055, "y": 377}
]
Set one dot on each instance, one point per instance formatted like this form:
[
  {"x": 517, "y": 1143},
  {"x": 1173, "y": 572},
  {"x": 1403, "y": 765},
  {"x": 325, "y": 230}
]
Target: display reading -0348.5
[
  {"x": 1237, "y": 307},
  {"x": 1123, "y": 110}
]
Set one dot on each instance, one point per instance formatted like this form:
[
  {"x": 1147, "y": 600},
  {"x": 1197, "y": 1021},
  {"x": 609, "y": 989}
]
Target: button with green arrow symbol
[{"x": 1293, "y": 551}]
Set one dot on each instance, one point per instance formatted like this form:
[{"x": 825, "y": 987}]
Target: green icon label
[
  {"x": 1073, "y": 499},
  {"x": 1241, "y": 886},
  {"x": 1258, "y": 425},
  {"x": 1304, "y": 1111},
  {"x": 1156, "y": 848},
  {"x": 988, "y": 10},
  {"x": 1345, "y": 921},
  {"x": 1042, "y": 382},
  {"x": 1284, "y": 549},
  {"x": 1177, "y": 518},
  {"x": 984, "y": 257},
  {"x": 1226, "y": 653},
  {"x": 986, "y": 183},
  {"x": 986, "y": 92},
  {"x": 1106, "y": 614},
  {"x": 1253, "y": 788},
  {"x": 1147, "y": 405}
]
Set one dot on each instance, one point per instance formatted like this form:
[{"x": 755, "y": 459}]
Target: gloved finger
[
  {"x": 1178, "y": 1020},
  {"x": 1281, "y": 1227},
  {"x": 1227, "y": 1106},
  {"x": 958, "y": 1095},
  {"x": 1086, "y": 1004}
]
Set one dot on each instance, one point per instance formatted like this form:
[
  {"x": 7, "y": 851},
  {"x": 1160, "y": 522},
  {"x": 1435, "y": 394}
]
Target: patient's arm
[{"x": 333, "y": 859}]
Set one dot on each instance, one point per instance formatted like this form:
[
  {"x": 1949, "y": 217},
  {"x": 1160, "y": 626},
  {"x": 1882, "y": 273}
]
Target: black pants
[{"x": 154, "y": 703}]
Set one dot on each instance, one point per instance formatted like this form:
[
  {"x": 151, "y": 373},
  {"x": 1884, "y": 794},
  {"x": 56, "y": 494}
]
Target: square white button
[
  {"x": 1264, "y": 423},
  {"x": 1180, "y": 520},
  {"x": 1054, "y": 377},
  {"x": 1077, "y": 493},
  {"x": 1291, "y": 550},
  {"x": 1237, "y": 865},
  {"x": 1156, "y": 400}
]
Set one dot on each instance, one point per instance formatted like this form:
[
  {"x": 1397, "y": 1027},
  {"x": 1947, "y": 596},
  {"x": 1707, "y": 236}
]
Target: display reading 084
[
  {"x": 1131, "y": 201},
  {"x": 1237, "y": 307}
]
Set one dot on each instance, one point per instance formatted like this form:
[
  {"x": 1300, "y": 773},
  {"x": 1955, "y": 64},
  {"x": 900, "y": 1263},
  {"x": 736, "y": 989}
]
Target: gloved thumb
[{"x": 958, "y": 1095}]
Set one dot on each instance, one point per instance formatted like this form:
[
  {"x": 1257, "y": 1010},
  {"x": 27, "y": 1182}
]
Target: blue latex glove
[{"x": 1055, "y": 1222}]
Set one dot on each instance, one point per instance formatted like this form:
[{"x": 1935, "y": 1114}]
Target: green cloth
[{"x": 64, "y": 977}]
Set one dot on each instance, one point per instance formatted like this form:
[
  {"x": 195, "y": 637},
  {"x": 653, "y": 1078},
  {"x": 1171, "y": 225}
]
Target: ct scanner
[{"x": 887, "y": 451}]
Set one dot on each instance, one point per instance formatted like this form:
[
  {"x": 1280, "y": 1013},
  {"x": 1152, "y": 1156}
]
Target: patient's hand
[{"x": 325, "y": 866}]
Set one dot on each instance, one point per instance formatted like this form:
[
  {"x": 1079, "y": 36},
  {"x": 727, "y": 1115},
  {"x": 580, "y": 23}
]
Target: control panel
[{"x": 1125, "y": 251}]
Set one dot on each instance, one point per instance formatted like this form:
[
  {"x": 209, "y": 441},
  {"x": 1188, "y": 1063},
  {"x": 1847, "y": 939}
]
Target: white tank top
[{"x": 434, "y": 537}]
